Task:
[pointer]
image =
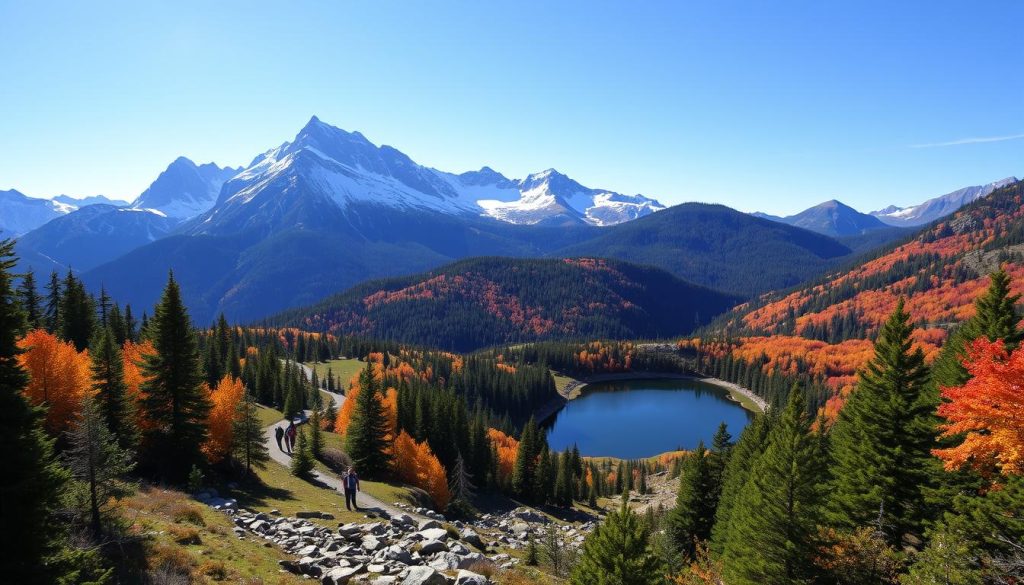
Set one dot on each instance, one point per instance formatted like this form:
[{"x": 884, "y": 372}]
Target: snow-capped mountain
[
  {"x": 79, "y": 202},
  {"x": 184, "y": 190},
  {"x": 938, "y": 207},
  {"x": 20, "y": 214},
  {"x": 324, "y": 165}
]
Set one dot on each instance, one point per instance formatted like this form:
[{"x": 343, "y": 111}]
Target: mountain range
[
  {"x": 330, "y": 209},
  {"x": 938, "y": 207},
  {"x": 20, "y": 214}
]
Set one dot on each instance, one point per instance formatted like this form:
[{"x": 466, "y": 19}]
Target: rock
[
  {"x": 445, "y": 561},
  {"x": 469, "y": 536},
  {"x": 290, "y": 566},
  {"x": 399, "y": 554},
  {"x": 473, "y": 559},
  {"x": 430, "y": 547},
  {"x": 432, "y": 534},
  {"x": 371, "y": 544},
  {"x": 339, "y": 575},
  {"x": 427, "y": 524},
  {"x": 470, "y": 578},
  {"x": 423, "y": 576}
]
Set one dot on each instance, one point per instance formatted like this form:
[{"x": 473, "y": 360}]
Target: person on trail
[
  {"x": 350, "y": 481},
  {"x": 279, "y": 434},
  {"x": 290, "y": 436}
]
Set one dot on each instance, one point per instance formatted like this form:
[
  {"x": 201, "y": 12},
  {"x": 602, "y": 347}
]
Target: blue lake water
[{"x": 640, "y": 418}]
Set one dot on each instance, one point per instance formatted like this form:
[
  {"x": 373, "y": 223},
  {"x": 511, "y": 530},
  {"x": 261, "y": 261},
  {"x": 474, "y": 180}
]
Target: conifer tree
[
  {"x": 995, "y": 318},
  {"x": 77, "y": 315},
  {"x": 744, "y": 454},
  {"x": 316, "y": 435},
  {"x": 32, "y": 480},
  {"x": 111, "y": 390},
  {"x": 691, "y": 520},
  {"x": 331, "y": 414},
  {"x": 52, "y": 316},
  {"x": 98, "y": 463},
  {"x": 249, "y": 446},
  {"x": 882, "y": 439},
  {"x": 174, "y": 401},
  {"x": 617, "y": 553},
  {"x": 544, "y": 477},
  {"x": 302, "y": 459},
  {"x": 31, "y": 302},
  {"x": 524, "y": 471},
  {"x": 366, "y": 438},
  {"x": 563, "y": 480},
  {"x": 772, "y": 535}
]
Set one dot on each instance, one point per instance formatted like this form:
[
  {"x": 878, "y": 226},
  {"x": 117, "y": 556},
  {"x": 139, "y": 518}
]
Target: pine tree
[
  {"x": 32, "y": 480},
  {"x": 773, "y": 530},
  {"x": 77, "y": 315},
  {"x": 316, "y": 435},
  {"x": 98, "y": 463},
  {"x": 52, "y": 316},
  {"x": 882, "y": 439},
  {"x": 111, "y": 390},
  {"x": 617, "y": 553},
  {"x": 249, "y": 446},
  {"x": 366, "y": 437},
  {"x": 995, "y": 318},
  {"x": 691, "y": 520},
  {"x": 563, "y": 480},
  {"x": 302, "y": 459},
  {"x": 31, "y": 302},
  {"x": 174, "y": 401},
  {"x": 524, "y": 471}
]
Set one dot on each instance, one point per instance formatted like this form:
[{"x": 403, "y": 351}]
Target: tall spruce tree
[
  {"x": 744, "y": 455},
  {"x": 249, "y": 446},
  {"x": 78, "y": 318},
  {"x": 174, "y": 401},
  {"x": 773, "y": 529},
  {"x": 367, "y": 433},
  {"x": 995, "y": 317},
  {"x": 32, "y": 480},
  {"x": 112, "y": 397},
  {"x": 31, "y": 302},
  {"x": 525, "y": 468},
  {"x": 691, "y": 520},
  {"x": 882, "y": 439},
  {"x": 51, "y": 315},
  {"x": 617, "y": 552}
]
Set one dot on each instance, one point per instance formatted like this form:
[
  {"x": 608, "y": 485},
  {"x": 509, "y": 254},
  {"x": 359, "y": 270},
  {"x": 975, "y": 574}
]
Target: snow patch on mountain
[
  {"x": 938, "y": 207},
  {"x": 185, "y": 189}
]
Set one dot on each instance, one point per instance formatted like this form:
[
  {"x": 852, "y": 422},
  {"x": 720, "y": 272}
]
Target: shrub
[
  {"x": 184, "y": 535},
  {"x": 185, "y": 513},
  {"x": 215, "y": 570},
  {"x": 336, "y": 460}
]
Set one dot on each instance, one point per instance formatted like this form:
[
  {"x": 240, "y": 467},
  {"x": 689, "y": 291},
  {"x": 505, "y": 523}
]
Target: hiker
[
  {"x": 290, "y": 436},
  {"x": 351, "y": 483},
  {"x": 279, "y": 434}
]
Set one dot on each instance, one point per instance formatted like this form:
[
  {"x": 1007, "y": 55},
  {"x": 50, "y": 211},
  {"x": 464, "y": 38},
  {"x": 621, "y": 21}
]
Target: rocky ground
[{"x": 396, "y": 549}]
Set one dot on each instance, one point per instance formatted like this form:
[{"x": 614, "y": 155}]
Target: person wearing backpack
[
  {"x": 350, "y": 481},
  {"x": 290, "y": 436},
  {"x": 279, "y": 434}
]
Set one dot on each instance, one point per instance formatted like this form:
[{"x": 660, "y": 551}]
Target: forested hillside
[
  {"x": 489, "y": 301},
  {"x": 823, "y": 330}
]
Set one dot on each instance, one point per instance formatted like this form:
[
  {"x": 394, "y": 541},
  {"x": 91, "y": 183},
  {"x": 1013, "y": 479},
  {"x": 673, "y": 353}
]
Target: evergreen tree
[
  {"x": 316, "y": 435},
  {"x": 563, "y": 481},
  {"x": 331, "y": 414},
  {"x": 523, "y": 473},
  {"x": 691, "y": 520},
  {"x": 77, "y": 315},
  {"x": 366, "y": 437},
  {"x": 617, "y": 553},
  {"x": 247, "y": 430},
  {"x": 98, "y": 463},
  {"x": 882, "y": 439},
  {"x": 103, "y": 306},
  {"x": 52, "y": 316},
  {"x": 302, "y": 459},
  {"x": 32, "y": 480},
  {"x": 130, "y": 332},
  {"x": 995, "y": 318},
  {"x": 544, "y": 477},
  {"x": 111, "y": 391},
  {"x": 773, "y": 530},
  {"x": 31, "y": 302},
  {"x": 174, "y": 401},
  {"x": 743, "y": 456}
]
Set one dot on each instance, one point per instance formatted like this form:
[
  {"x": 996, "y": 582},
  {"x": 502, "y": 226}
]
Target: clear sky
[{"x": 759, "y": 105}]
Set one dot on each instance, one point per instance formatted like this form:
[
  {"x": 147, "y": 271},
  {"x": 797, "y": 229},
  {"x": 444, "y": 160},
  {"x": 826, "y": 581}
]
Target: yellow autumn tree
[
  {"x": 415, "y": 464},
  {"x": 225, "y": 398},
  {"x": 59, "y": 377}
]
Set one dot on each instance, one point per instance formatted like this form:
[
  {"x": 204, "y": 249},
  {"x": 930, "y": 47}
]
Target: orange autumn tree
[
  {"x": 132, "y": 355},
  {"x": 225, "y": 398},
  {"x": 987, "y": 411},
  {"x": 59, "y": 377},
  {"x": 505, "y": 447},
  {"x": 415, "y": 464}
]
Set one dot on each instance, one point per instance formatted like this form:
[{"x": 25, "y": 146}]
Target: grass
[
  {"x": 279, "y": 489},
  {"x": 562, "y": 381},
  {"x": 207, "y": 552},
  {"x": 343, "y": 369},
  {"x": 268, "y": 416}
]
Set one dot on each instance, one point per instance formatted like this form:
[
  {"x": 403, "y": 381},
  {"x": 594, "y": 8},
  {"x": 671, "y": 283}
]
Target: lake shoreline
[{"x": 572, "y": 391}]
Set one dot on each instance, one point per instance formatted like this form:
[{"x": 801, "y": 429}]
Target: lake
[{"x": 640, "y": 418}]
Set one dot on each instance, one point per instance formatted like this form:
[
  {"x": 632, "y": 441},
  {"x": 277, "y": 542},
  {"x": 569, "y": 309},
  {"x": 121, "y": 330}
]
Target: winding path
[{"x": 367, "y": 503}]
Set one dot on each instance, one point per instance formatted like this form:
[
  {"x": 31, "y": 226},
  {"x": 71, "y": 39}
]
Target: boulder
[
  {"x": 339, "y": 575},
  {"x": 470, "y": 578},
  {"x": 427, "y": 524},
  {"x": 430, "y": 547},
  {"x": 423, "y": 576},
  {"x": 470, "y": 537},
  {"x": 432, "y": 534}
]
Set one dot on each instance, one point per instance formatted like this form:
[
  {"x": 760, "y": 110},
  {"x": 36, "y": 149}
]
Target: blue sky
[{"x": 759, "y": 105}]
